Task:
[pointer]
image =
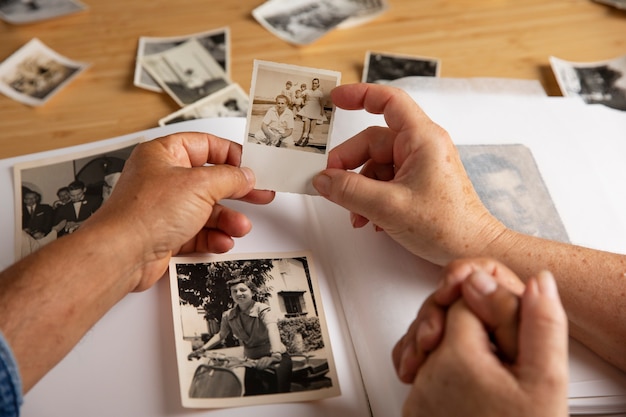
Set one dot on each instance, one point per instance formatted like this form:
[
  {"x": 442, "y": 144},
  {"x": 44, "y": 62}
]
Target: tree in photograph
[{"x": 204, "y": 284}]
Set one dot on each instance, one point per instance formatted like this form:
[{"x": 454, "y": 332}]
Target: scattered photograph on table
[
  {"x": 384, "y": 67},
  {"x": 216, "y": 42},
  {"x": 250, "y": 329},
  {"x": 30, "y": 11},
  {"x": 289, "y": 125},
  {"x": 510, "y": 185},
  {"x": 35, "y": 73},
  {"x": 302, "y": 22},
  {"x": 595, "y": 82},
  {"x": 55, "y": 195},
  {"x": 187, "y": 72},
  {"x": 368, "y": 10},
  {"x": 230, "y": 101}
]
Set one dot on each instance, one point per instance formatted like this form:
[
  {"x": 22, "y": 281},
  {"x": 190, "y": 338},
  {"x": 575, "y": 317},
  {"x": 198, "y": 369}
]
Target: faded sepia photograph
[
  {"x": 216, "y": 42},
  {"x": 509, "y": 183},
  {"x": 302, "y": 22},
  {"x": 250, "y": 329},
  {"x": 34, "y": 73},
  {"x": 187, "y": 72},
  {"x": 54, "y": 196},
  {"x": 289, "y": 124},
  {"x": 30, "y": 11},
  {"x": 384, "y": 67},
  {"x": 230, "y": 101},
  {"x": 595, "y": 82}
]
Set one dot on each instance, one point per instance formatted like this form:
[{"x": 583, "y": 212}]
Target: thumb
[
  {"x": 543, "y": 350},
  {"x": 357, "y": 193},
  {"x": 224, "y": 181}
]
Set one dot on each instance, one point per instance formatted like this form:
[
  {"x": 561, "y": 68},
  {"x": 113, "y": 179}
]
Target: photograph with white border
[
  {"x": 230, "y": 101},
  {"x": 216, "y": 42},
  {"x": 35, "y": 73},
  {"x": 287, "y": 139},
  {"x": 30, "y": 11},
  {"x": 250, "y": 329},
  {"x": 382, "y": 67},
  {"x": 302, "y": 22},
  {"x": 53, "y": 196},
  {"x": 187, "y": 72},
  {"x": 600, "y": 82}
]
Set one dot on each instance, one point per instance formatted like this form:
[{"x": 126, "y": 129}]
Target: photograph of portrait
[
  {"x": 55, "y": 195},
  {"x": 30, "y": 11},
  {"x": 35, "y": 73},
  {"x": 595, "y": 82},
  {"x": 230, "y": 101},
  {"x": 250, "y": 329},
  {"x": 509, "y": 183},
  {"x": 216, "y": 42},
  {"x": 302, "y": 22},
  {"x": 289, "y": 125},
  {"x": 187, "y": 72},
  {"x": 384, "y": 67}
]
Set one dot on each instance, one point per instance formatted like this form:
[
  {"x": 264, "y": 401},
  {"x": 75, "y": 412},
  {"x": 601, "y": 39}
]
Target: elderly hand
[
  {"x": 412, "y": 184},
  {"x": 465, "y": 375},
  {"x": 168, "y": 202}
]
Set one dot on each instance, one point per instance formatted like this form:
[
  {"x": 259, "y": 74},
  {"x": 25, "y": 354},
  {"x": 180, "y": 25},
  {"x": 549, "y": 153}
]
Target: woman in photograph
[
  {"x": 255, "y": 326},
  {"x": 312, "y": 110}
]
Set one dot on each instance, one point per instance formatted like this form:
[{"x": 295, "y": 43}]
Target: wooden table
[{"x": 472, "y": 38}]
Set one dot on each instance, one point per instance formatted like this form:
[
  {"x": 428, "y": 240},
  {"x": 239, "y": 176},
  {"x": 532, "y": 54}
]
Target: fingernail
[
  {"x": 483, "y": 282},
  {"x": 321, "y": 183},
  {"x": 547, "y": 284}
]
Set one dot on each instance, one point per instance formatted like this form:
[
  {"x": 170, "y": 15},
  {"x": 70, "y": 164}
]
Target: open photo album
[{"x": 334, "y": 299}]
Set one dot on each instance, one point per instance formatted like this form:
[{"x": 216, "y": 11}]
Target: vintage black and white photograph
[
  {"x": 30, "y": 11},
  {"x": 595, "y": 82},
  {"x": 250, "y": 329},
  {"x": 289, "y": 125},
  {"x": 54, "y": 196},
  {"x": 509, "y": 183},
  {"x": 302, "y": 22},
  {"x": 35, "y": 73},
  {"x": 230, "y": 101},
  {"x": 187, "y": 72},
  {"x": 216, "y": 42},
  {"x": 368, "y": 10},
  {"x": 382, "y": 67}
]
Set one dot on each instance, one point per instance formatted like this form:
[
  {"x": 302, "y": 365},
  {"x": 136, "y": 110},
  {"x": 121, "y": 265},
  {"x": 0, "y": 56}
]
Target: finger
[
  {"x": 423, "y": 336},
  {"x": 373, "y": 143},
  {"x": 208, "y": 241},
  {"x": 360, "y": 195},
  {"x": 222, "y": 181},
  {"x": 543, "y": 337},
  {"x": 195, "y": 149},
  {"x": 497, "y": 308},
  {"x": 229, "y": 221},
  {"x": 400, "y": 110},
  {"x": 465, "y": 331},
  {"x": 458, "y": 270}
]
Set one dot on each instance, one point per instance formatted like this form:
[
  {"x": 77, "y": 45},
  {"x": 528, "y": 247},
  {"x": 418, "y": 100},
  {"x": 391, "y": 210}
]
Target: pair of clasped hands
[{"x": 483, "y": 344}]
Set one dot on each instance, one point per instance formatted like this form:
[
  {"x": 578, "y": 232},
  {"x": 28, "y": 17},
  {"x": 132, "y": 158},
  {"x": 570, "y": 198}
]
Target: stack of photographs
[{"x": 194, "y": 70}]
